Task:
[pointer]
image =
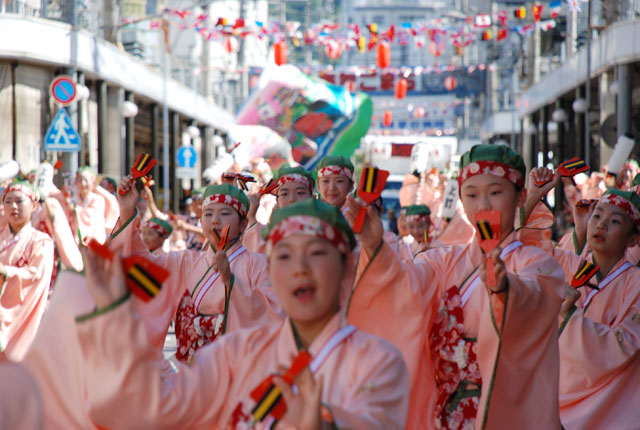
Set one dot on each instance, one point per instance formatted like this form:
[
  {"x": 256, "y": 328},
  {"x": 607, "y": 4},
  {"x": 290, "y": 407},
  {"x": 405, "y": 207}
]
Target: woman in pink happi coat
[
  {"x": 26, "y": 264},
  {"x": 88, "y": 211},
  {"x": 207, "y": 291},
  {"x": 292, "y": 184},
  {"x": 600, "y": 322},
  {"x": 492, "y": 351},
  {"x": 354, "y": 380}
]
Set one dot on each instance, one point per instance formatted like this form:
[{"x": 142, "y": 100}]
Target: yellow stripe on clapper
[
  {"x": 578, "y": 163},
  {"x": 485, "y": 230},
  {"x": 371, "y": 174},
  {"x": 142, "y": 162},
  {"x": 144, "y": 280},
  {"x": 266, "y": 403},
  {"x": 585, "y": 268}
]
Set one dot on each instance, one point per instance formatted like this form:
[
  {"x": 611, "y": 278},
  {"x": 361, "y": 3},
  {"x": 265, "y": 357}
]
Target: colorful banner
[{"x": 317, "y": 118}]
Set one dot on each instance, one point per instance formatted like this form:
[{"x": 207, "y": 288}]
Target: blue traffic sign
[
  {"x": 63, "y": 90},
  {"x": 187, "y": 157},
  {"x": 61, "y": 136}
]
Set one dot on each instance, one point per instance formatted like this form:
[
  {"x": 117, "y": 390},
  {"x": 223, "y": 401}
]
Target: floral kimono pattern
[
  {"x": 193, "y": 331},
  {"x": 456, "y": 369}
]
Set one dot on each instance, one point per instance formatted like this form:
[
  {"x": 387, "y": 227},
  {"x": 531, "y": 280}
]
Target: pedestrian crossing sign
[{"x": 61, "y": 136}]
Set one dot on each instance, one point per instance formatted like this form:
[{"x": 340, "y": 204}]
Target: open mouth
[
  {"x": 304, "y": 293},
  {"x": 598, "y": 237}
]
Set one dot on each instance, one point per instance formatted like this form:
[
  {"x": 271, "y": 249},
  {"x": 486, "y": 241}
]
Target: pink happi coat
[
  {"x": 50, "y": 218},
  {"x": 90, "y": 218},
  {"x": 111, "y": 208},
  {"x": 20, "y": 404},
  {"x": 251, "y": 303},
  {"x": 365, "y": 382},
  {"x": 28, "y": 260},
  {"x": 518, "y": 359},
  {"x": 600, "y": 349}
]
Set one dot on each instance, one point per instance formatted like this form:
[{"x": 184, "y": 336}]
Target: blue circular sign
[{"x": 63, "y": 90}]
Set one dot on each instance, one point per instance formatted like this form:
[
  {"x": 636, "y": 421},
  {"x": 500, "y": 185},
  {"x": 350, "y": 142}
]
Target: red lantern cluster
[
  {"x": 280, "y": 53},
  {"x": 384, "y": 55}
]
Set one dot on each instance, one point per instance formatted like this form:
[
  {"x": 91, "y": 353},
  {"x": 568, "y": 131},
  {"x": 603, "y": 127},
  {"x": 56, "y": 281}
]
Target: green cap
[
  {"x": 168, "y": 228},
  {"x": 235, "y": 197},
  {"x": 417, "y": 210},
  {"x": 335, "y": 160},
  {"x": 486, "y": 156},
  {"x": 316, "y": 209},
  {"x": 197, "y": 193},
  {"x": 112, "y": 181},
  {"x": 298, "y": 170},
  {"x": 628, "y": 201},
  {"x": 86, "y": 169}
]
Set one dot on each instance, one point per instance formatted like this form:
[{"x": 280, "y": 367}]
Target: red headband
[
  {"x": 309, "y": 225},
  {"x": 335, "y": 170},
  {"x": 485, "y": 167},
  {"x": 296, "y": 177},
  {"x": 227, "y": 200}
]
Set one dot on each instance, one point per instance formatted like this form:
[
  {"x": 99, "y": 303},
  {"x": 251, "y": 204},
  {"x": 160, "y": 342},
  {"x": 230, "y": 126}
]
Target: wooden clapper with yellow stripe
[
  {"x": 572, "y": 167},
  {"x": 143, "y": 277},
  {"x": 143, "y": 165},
  {"x": 268, "y": 403},
  {"x": 488, "y": 228},
  {"x": 585, "y": 272},
  {"x": 372, "y": 183}
]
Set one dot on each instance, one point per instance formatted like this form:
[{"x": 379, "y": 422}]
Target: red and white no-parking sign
[{"x": 63, "y": 90}]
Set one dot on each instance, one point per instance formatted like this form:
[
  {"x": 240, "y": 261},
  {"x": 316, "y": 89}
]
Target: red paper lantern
[
  {"x": 401, "y": 88},
  {"x": 333, "y": 49},
  {"x": 384, "y": 55},
  {"x": 280, "y": 53},
  {"x": 230, "y": 44},
  {"x": 387, "y": 118},
  {"x": 450, "y": 83}
]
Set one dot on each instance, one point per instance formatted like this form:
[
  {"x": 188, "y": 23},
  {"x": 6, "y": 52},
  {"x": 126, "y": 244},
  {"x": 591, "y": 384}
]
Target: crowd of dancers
[{"x": 472, "y": 312}]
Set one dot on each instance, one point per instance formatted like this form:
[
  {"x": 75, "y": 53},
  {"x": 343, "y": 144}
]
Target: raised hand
[
  {"x": 303, "y": 409},
  {"x": 582, "y": 211},
  {"x": 499, "y": 269},
  {"x": 221, "y": 264},
  {"x": 372, "y": 231},
  {"x": 571, "y": 295},
  {"x": 105, "y": 278},
  {"x": 128, "y": 197}
]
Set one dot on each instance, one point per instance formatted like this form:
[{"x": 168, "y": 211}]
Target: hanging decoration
[
  {"x": 435, "y": 35},
  {"x": 230, "y": 45},
  {"x": 387, "y": 118},
  {"x": 450, "y": 83},
  {"x": 384, "y": 55},
  {"x": 280, "y": 53},
  {"x": 536, "y": 10},
  {"x": 401, "y": 88},
  {"x": 333, "y": 49}
]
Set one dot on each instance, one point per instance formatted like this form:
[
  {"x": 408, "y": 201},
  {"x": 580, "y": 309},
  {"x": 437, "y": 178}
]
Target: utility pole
[
  {"x": 70, "y": 159},
  {"x": 587, "y": 122}
]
